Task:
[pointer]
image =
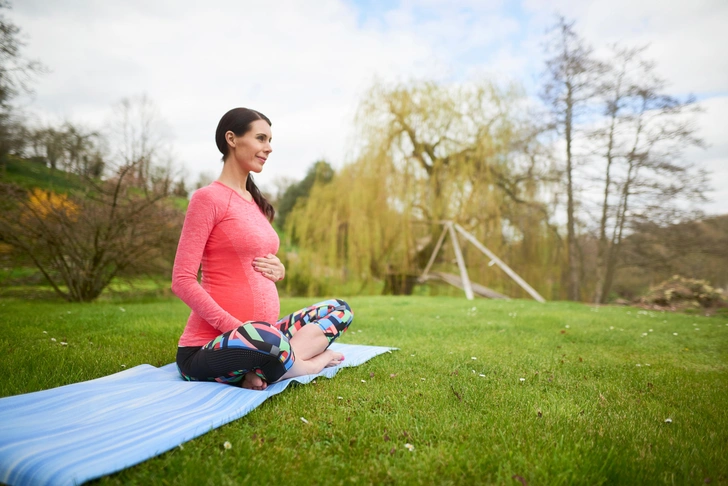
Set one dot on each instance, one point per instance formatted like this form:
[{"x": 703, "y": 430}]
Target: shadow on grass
[{"x": 126, "y": 295}]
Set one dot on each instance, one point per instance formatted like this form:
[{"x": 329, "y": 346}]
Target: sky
[{"x": 308, "y": 64}]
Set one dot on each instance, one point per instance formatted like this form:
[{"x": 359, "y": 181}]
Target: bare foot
[
  {"x": 251, "y": 381},
  {"x": 335, "y": 358}
]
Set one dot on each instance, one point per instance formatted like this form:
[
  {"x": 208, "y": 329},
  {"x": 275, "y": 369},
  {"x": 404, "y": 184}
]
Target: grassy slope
[
  {"x": 602, "y": 417},
  {"x": 28, "y": 174}
]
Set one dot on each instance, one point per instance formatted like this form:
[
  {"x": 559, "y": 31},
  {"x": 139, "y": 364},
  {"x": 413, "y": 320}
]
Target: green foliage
[
  {"x": 320, "y": 172},
  {"x": 431, "y": 152},
  {"x": 31, "y": 173},
  {"x": 592, "y": 407}
]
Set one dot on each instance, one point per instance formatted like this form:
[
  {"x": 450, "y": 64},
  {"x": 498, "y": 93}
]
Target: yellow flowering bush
[{"x": 42, "y": 204}]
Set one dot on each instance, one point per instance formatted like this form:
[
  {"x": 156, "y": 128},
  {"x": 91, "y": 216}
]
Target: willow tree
[{"x": 427, "y": 152}]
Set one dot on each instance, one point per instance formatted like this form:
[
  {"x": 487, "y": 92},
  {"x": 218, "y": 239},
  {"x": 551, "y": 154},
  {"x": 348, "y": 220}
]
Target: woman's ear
[{"x": 230, "y": 138}]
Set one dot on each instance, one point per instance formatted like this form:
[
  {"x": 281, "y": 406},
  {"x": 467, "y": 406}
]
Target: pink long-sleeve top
[{"x": 224, "y": 233}]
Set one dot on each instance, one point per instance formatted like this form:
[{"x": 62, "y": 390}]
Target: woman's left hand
[{"x": 270, "y": 267}]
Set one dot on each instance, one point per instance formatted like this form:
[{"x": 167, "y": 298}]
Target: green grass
[
  {"x": 585, "y": 413},
  {"x": 28, "y": 283},
  {"x": 29, "y": 174}
]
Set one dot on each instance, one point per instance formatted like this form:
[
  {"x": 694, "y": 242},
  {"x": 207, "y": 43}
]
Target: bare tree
[
  {"x": 69, "y": 147},
  {"x": 82, "y": 150},
  {"x": 15, "y": 74},
  {"x": 138, "y": 137},
  {"x": 614, "y": 89},
  {"x": 121, "y": 223},
  {"x": 647, "y": 178},
  {"x": 48, "y": 143},
  {"x": 81, "y": 242},
  {"x": 570, "y": 91}
]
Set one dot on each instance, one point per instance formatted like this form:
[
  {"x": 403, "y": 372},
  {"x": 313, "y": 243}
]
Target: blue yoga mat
[{"x": 70, "y": 434}]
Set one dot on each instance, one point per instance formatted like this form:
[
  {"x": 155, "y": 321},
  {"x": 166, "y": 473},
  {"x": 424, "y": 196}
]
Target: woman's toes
[
  {"x": 335, "y": 359},
  {"x": 253, "y": 381}
]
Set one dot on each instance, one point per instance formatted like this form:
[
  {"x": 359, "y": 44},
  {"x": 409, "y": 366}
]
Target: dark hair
[{"x": 238, "y": 121}]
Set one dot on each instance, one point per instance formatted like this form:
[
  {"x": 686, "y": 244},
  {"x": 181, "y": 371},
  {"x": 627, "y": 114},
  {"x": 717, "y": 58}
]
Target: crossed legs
[
  {"x": 309, "y": 342},
  {"x": 258, "y": 353}
]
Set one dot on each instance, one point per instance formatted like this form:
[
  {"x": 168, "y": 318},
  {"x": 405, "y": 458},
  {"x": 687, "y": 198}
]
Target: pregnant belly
[{"x": 253, "y": 300}]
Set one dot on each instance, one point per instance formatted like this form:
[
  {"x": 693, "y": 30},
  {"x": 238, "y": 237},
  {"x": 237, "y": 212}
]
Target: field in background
[{"x": 505, "y": 392}]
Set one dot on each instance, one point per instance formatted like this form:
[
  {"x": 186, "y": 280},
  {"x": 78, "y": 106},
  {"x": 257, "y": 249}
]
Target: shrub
[{"x": 681, "y": 292}]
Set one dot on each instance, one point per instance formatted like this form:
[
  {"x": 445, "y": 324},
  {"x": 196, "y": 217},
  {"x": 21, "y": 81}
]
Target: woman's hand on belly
[{"x": 270, "y": 267}]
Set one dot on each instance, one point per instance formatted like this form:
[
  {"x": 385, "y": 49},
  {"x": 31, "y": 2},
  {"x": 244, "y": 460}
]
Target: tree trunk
[
  {"x": 622, "y": 210},
  {"x": 613, "y": 109},
  {"x": 611, "y": 263},
  {"x": 599, "y": 296},
  {"x": 570, "y": 223}
]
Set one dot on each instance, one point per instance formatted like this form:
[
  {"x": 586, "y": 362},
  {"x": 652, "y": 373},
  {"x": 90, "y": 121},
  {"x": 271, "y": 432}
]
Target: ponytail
[{"x": 265, "y": 207}]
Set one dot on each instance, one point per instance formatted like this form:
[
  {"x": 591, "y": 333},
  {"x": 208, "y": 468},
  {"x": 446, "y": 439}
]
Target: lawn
[{"x": 484, "y": 392}]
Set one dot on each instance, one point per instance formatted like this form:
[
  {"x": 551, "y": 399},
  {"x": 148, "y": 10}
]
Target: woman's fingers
[
  {"x": 270, "y": 266},
  {"x": 268, "y": 273}
]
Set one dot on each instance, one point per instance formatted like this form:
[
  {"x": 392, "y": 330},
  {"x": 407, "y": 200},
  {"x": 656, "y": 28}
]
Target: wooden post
[
  {"x": 498, "y": 262},
  {"x": 461, "y": 261},
  {"x": 423, "y": 277}
]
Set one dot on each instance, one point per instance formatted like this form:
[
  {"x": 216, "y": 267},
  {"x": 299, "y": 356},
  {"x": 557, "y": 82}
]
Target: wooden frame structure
[{"x": 453, "y": 228}]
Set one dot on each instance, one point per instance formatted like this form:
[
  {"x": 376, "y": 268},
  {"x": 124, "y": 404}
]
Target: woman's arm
[{"x": 202, "y": 215}]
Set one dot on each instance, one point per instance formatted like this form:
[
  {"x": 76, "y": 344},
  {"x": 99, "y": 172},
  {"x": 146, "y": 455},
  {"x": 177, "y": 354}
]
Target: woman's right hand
[{"x": 270, "y": 267}]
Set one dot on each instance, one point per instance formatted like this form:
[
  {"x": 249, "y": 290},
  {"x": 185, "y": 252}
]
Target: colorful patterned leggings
[{"x": 259, "y": 346}]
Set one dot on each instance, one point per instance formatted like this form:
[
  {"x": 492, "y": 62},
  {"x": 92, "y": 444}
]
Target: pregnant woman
[{"x": 233, "y": 334}]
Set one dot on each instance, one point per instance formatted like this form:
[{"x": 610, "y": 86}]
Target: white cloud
[
  {"x": 303, "y": 66},
  {"x": 687, "y": 39},
  {"x": 712, "y": 127},
  {"x": 307, "y": 64}
]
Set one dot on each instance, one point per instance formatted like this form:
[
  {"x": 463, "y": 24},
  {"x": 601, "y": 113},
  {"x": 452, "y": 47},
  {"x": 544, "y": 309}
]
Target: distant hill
[{"x": 31, "y": 173}]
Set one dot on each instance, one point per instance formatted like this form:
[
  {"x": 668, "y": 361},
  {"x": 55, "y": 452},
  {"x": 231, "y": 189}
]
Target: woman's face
[{"x": 251, "y": 149}]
